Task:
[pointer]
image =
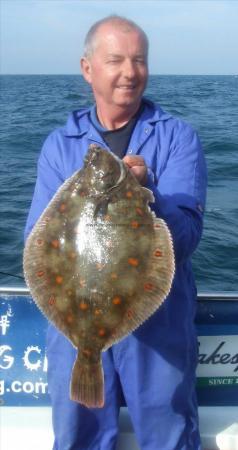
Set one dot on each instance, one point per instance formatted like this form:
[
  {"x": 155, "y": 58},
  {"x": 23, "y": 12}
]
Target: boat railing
[{"x": 202, "y": 296}]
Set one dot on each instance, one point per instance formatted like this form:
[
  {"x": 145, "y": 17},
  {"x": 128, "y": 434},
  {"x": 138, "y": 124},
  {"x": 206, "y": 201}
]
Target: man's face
[{"x": 117, "y": 69}]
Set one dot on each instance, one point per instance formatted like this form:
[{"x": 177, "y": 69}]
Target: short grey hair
[{"x": 126, "y": 24}]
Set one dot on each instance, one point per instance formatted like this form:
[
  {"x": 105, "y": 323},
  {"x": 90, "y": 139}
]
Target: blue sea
[{"x": 32, "y": 106}]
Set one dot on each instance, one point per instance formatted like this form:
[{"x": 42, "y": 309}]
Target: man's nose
[{"x": 129, "y": 69}]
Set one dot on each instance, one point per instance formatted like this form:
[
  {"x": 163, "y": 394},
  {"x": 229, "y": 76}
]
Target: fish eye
[{"x": 95, "y": 156}]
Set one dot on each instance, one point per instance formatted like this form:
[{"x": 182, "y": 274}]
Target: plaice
[{"x": 98, "y": 263}]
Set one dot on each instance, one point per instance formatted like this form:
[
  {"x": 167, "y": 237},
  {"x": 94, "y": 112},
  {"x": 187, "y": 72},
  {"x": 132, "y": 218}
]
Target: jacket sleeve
[
  {"x": 180, "y": 192},
  {"x": 49, "y": 178}
]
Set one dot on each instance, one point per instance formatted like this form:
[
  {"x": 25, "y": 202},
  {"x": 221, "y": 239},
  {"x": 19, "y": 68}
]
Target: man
[{"x": 153, "y": 368}]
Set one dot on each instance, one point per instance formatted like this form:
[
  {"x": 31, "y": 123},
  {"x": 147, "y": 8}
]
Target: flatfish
[{"x": 98, "y": 263}]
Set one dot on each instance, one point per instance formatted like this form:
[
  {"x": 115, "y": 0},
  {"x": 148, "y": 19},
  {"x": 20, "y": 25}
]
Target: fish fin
[
  {"x": 148, "y": 194},
  {"x": 87, "y": 384},
  {"x": 154, "y": 287}
]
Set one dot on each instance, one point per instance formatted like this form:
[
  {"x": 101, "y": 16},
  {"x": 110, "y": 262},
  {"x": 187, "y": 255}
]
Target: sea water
[{"x": 32, "y": 106}]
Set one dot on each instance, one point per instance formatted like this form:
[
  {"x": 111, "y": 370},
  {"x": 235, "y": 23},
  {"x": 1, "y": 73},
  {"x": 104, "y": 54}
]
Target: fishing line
[{"x": 11, "y": 275}]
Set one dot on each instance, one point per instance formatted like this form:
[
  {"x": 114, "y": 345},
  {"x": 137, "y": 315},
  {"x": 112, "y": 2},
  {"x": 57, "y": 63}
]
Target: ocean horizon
[{"x": 33, "y": 105}]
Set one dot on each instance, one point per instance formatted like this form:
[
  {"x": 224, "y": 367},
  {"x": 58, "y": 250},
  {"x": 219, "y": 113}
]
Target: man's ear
[{"x": 86, "y": 69}]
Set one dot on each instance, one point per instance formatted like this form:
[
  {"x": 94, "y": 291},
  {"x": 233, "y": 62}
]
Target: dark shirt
[{"x": 118, "y": 139}]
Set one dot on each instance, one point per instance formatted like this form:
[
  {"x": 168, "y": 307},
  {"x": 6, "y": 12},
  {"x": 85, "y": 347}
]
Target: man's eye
[
  {"x": 113, "y": 61},
  {"x": 140, "y": 60}
]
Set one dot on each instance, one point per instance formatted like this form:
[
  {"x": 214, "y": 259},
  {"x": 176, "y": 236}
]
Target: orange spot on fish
[
  {"x": 59, "y": 279},
  {"x": 129, "y": 314},
  {"x": 101, "y": 332},
  {"x": 156, "y": 225},
  {"x": 69, "y": 318},
  {"x": 97, "y": 312},
  {"x": 83, "y": 306},
  {"x": 135, "y": 224},
  {"x": 114, "y": 276},
  {"x": 40, "y": 273},
  {"x": 39, "y": 242},
  {"x": 133, "y": 262},
  {"x": 62, "y": 207},
  {"x": 148, "y": 287},
  {"x": 129, "y": 194},
  {"x": 139, "y": 211},
  {"x": 55, "y": 243},
  {"x": 116, "y": 300},
  {"x": 52, "y": 300},
  {"x": 158, "y": 252},
  {"x": 86, "y": 352}
]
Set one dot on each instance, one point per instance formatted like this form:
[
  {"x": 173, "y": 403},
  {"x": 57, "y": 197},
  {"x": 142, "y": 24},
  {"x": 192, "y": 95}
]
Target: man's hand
[{"x": 137, "y": 166}]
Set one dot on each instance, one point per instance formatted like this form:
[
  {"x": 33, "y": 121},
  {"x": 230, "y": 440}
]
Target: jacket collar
[{"x": 78, "y": 122}]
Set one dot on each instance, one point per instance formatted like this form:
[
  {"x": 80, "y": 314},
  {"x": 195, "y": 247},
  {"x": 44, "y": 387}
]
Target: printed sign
[
  {"x": 218, "y": 361},
  {"x": 23, "y": 362}
]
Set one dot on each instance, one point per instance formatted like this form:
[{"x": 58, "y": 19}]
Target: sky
[{"x": 186, "y": 36}]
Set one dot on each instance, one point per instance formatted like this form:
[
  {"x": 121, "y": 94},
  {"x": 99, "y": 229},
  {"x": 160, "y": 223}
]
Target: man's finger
[{"x": 134, "y": 160}]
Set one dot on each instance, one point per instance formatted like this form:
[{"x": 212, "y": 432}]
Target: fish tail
[{"x": 87, "y": 383}]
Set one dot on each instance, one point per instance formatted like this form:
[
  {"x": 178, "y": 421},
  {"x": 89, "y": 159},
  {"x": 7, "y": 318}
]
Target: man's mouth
[{"x": 127, "y": 87}]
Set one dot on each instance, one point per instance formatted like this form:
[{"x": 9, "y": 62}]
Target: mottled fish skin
[{"x": 98, "y": 263}]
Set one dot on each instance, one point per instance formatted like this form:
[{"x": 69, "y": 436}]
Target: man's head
[
  {"x": 115, "y": 62},
  {"x": 123, "y": 23}
]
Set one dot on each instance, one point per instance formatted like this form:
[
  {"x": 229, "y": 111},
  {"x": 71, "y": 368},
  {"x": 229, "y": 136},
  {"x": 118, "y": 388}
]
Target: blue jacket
[
  {"x": 177, "y": 174},
  {"x": 162, "y": 352}
]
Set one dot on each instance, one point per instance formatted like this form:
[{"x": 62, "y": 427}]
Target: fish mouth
[{"x": 93, "y": 151}]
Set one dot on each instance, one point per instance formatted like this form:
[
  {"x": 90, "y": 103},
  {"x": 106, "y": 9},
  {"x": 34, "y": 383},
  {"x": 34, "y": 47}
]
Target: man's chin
[{"x": 128, "y": 102}]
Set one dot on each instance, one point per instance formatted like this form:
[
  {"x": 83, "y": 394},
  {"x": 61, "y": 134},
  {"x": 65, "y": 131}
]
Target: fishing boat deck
[{"x": 28, "y": 428}]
